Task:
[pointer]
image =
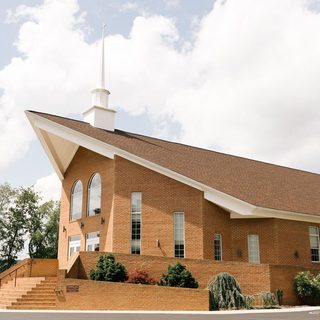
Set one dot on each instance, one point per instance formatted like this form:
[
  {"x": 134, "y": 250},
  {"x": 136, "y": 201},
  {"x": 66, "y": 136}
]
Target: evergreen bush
[
  {"x": 225, "y": 293},
  {"x": 178, "y": 276},
  {"x": 107, "y": 269}
]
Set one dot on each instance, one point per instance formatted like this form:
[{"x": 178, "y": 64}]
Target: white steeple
[{"x": 99, "y": 114}]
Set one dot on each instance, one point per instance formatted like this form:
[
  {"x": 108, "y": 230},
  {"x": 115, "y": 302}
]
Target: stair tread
[{"x": 29, "y": 293}]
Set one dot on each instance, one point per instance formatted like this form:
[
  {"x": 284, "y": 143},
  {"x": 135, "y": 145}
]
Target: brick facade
[
  {"x": 281, "y": 241},
  {"x": 284, "y": 244},
  {"x": 161, "y": 196},
  {"x": 83, "y": 166}
]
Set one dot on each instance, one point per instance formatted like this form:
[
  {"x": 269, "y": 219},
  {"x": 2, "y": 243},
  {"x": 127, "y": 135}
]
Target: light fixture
[
  {"x": 102, "y": 221},
  {"x": 64, "y": 229}
]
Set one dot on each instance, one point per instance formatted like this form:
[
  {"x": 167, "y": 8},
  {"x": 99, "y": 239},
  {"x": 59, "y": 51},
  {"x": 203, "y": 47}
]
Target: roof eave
[{"x": 237, "y": 207}]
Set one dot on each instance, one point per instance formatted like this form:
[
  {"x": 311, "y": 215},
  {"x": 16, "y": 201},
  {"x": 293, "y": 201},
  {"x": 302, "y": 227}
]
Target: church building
[{"x": 128, "y": 193}]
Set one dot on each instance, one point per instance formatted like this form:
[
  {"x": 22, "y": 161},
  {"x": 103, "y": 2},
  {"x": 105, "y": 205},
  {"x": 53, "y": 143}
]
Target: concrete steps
[
  {"x": 13, "y": 290},
  {"x": 40, "y": 297}
]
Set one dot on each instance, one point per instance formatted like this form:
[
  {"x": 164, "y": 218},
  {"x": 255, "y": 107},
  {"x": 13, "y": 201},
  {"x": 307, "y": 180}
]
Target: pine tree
[{"x": 178, "y": 276}]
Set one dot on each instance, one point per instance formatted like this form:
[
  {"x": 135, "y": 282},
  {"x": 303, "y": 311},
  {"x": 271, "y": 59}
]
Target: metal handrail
[{"x": 15, "y": 271}]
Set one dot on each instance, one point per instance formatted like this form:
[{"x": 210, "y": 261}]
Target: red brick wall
[
  {"x": 161, "y": 196},
  {"x": 84, "y": 164},
  {"x": 216, "y": 220},
  {"x": 293, "y": 236},
  {"x": 283, "y": 277},
  {"x": 30, "y": 268},
  {"x": 241, "y": 228},
  {"x": 99, "y": 295},
  {"x": 252, "y": 278}
]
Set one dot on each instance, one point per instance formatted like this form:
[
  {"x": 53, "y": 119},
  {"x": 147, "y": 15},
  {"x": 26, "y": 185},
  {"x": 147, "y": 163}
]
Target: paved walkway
[{"x": 306, "y": 313}]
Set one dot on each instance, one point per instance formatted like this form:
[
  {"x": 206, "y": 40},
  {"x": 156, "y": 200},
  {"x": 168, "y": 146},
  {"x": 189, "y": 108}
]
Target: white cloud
[
  {"x": 47, "y": 76},
  {"x": 248, "y": 85},
  {"x": 48, "y": 187}
]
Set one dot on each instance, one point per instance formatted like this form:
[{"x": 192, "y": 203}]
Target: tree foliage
[
  {"x": 178, "y": 276},
  {"x": 12, "y": 225},
  {"x": 108, "y": 269},
  {"x": 23, "y": 218},
  {"x": 43, "y": 226},
  {"x": 308, "y": 285},
  {"x": 226, "y": 293}
]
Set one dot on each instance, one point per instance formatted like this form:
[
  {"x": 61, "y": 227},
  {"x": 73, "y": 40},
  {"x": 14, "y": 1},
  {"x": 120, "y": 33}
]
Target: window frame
[
  {"x": 251, "y": 257},
  {"x": 89, "y": 193},
  {"x": 90, "y": 241},
  {"x": 176, "y": 213},
  {"x": 74, "y": 246},
  {"x": 220, "y": 246},
  {"x": 317, "y": 235},
  {"x": 135, "y": 214},
  {"x": 71, "y": 216}
]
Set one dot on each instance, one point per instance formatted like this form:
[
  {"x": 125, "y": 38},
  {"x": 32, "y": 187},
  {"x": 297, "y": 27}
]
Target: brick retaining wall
[
  {"x": 100, "y": 295},
  {"x": 253, "y": 278}
]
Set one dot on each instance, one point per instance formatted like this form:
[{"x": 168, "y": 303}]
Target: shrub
[
  {"x": 108, "y": 269},
  {"x": 178, "y": 276},
  {"x": 140, "y": 276},
  {"x": 268, "y": 300},
  {"x": 225, "y": 293},
  {"x": 307, "y": 285},
  {"x": 248, "y": 301}
]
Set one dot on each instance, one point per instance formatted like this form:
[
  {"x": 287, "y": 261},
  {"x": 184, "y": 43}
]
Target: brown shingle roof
[{"x": 261, "y": 184}]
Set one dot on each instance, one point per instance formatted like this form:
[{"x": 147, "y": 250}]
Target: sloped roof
[{"x": 258, "y": 183}]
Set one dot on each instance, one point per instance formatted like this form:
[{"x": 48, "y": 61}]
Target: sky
[{"x": 235, "y": 76}]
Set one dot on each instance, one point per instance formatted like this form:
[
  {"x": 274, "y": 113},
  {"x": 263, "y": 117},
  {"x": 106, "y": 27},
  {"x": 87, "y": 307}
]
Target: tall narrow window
[
  {"x": 74, "y": 245},
  {"x": 178, "y": 234},
  {"x": 94, "y": 195},
  {"x": 314, "y": 244},
  {"x": 92, "y": 241},
  {"x": 135, "y": 222},
  {"x": 253, "y": 248},
  {"x": 217, "y": 247},
  {"x": 76, "y": 201}
]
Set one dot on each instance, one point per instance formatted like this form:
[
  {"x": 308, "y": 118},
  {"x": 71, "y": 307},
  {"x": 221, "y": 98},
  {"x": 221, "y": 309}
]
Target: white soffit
[
  {"x": 51, "y": 135},
  {"x": 62, "y": 148}
]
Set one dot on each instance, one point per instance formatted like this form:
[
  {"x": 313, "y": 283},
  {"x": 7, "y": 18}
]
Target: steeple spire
[
  {"x": 100, "y": 94},
  {"x": 99, "y": 114},
  {"x": 101, "y": 79}
]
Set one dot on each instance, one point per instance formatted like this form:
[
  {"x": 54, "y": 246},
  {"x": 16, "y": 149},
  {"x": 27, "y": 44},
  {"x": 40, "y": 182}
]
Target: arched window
[
  {"x": 94, "y": 195},
  {"x": 76, "y": 201}
]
